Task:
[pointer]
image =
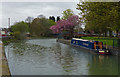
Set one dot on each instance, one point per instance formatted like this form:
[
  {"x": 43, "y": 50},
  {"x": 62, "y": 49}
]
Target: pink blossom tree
[{"x": 66, "y": 25}]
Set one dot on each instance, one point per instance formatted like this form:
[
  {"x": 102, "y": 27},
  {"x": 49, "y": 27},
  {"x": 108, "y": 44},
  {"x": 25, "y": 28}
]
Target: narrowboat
[{"x": 94, "y": 46}]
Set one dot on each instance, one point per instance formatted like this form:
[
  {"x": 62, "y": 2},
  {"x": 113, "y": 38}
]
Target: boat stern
[{"x": 104, "y": 52}]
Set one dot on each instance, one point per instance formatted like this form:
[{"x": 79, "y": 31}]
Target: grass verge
[{"x": 106, "y": 40}]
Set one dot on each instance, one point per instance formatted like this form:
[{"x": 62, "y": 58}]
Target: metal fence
[
  {"x": 114, "y": 43},
  {"x": 111, "y": 42}
]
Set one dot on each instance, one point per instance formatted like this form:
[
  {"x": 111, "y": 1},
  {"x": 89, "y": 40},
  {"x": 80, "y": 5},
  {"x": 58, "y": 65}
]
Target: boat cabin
[{"x": 96, "y": 46}]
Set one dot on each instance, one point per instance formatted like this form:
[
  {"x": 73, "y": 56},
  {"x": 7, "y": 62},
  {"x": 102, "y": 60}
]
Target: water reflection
[
  {"x": 48, "y": 57},
  {"x": 67, "y": 61},
  {"x": 103, "y": 65},
  {"x": 64, "y": 57}
]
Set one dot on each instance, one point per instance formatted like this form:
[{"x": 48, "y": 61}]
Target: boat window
[
  {"x": 74, "y": 42},
  {"x": 77, "y": 42}
]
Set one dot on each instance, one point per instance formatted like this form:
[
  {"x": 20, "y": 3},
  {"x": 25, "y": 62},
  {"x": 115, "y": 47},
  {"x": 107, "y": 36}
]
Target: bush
[
  {"x": 18, "y": 35},
  {"x": 19, "y": 29}
]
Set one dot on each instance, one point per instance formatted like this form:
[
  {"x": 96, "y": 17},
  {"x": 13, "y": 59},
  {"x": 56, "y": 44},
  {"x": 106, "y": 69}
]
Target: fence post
[
  {"x": 118, "y": 42},
  {"x": 113, "y": 43}
]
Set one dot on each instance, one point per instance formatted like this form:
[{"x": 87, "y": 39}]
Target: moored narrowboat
[{"x": 94, "y": 46}]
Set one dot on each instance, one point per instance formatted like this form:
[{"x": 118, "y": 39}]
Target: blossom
[{"x": 61, "y": 25}]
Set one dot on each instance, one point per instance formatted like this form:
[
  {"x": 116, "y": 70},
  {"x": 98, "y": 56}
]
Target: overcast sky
[{"x": 19, "y": 11}]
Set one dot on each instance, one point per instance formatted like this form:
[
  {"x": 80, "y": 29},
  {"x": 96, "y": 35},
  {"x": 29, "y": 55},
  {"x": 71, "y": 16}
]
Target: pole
[{"x": 8, "y": 22}]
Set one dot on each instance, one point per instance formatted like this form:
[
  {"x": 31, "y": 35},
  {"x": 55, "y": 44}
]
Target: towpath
[{"x": 4, "y": 69}]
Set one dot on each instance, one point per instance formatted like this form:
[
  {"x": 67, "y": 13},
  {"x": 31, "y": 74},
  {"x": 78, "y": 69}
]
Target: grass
[{"x": 106, "y": 40}]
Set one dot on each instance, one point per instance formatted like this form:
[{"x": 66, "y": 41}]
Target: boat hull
[{"x": 90, "y": 45}]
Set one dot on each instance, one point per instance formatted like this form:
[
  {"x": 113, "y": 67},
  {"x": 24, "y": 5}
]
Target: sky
[
  {"x": 0, "y": 14},
  {"x": 19, "y": 11}
]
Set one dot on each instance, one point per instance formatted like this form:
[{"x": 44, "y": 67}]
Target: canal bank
[
  {"x": 4, "y": 68},
  {"x": 114, "y": 51}
]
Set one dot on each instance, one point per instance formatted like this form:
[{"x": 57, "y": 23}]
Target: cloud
[
  {"x": 39, "y": 0},
  {"x": 0, "y": 14},
  {"x": 60, "y": 0},
  {"x": 19, "y": 11}
]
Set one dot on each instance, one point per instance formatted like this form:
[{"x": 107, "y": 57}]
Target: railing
[
  {"x": 111, "y": 42},
  {"x": 116, "y": 43}
]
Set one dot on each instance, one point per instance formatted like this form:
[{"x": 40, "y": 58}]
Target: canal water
[{"x": 48, "y": 57}]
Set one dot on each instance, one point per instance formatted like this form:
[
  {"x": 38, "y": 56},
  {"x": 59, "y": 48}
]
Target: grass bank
[{"x": 106, "y": 40}]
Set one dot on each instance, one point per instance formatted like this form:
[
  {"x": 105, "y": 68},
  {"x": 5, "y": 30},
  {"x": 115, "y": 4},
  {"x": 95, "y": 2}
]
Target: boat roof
[{"x": 79, "y": 39}]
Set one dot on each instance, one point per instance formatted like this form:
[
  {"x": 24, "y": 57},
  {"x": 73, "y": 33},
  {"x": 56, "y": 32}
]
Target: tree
[
  {"x": 40, "y": 27},
  {"x": 29, "y": 19},
  {"x": 66, "y": 25},
  {"x": 115, "y": 17},
  {"x": 19, "y": 30},
  {"x": 41, "y": 16},
  {"x": 58, "y": 18},
  {"x": 67, "y": 13},
  {"x": 99, "y": 17},
  {"x": 52, "y": 18}
]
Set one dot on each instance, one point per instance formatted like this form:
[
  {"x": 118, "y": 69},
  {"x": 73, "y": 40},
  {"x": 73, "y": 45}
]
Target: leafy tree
[
  {"x": 19, "y": 30},
  {"x": 40, "y": 27},
  {"x": 99, "y": 17},
  {"x": 29, "y": 20},
  {"x": 67, "y": 13}
]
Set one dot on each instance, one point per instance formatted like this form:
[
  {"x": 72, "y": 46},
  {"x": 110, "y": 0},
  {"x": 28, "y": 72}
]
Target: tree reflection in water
[
  {"x": 65, "y": 58},
  {"x": 103, "y": 65}
]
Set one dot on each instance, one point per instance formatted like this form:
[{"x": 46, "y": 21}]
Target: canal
[{"x": 48, "y": 57}]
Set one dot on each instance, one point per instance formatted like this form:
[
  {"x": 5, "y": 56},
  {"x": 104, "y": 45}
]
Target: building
[{"x": 4, "y": 32}]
